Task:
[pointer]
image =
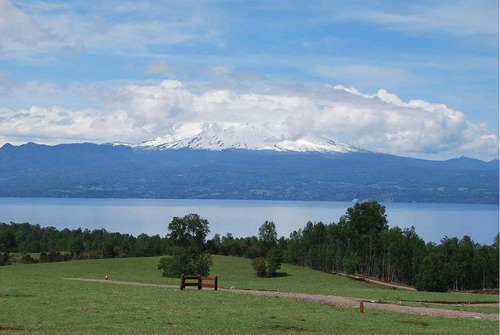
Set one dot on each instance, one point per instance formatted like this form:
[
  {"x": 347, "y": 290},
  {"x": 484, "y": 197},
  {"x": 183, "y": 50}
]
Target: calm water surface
[{"x": 243, "y": 218}]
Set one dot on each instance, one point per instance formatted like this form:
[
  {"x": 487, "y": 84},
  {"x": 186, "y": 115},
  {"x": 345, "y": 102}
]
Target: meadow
[{"x": 37, "y": 299}]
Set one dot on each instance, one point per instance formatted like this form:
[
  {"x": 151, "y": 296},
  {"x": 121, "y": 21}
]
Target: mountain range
[
  {"x": 221, "y": 163},
  {"x": 215, "y": 136}
]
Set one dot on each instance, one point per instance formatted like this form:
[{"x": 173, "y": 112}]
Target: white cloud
[
  {"x": 221, "y": 70},
  {"x": 159, "y": 67},
  {"x": 31, "y": 29},
  {"x": 461, "y": 18},
  {"x": 478, "y": 138},
  {"x": 380, "y": 121},
  {"x": 57, "y": 125},
  {"x": 18, "y": 31},
  {"x": 370, "y": 73}
]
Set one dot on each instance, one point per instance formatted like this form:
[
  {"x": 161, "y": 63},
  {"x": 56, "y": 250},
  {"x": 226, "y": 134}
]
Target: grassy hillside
[{"x": 37, "y": 299}]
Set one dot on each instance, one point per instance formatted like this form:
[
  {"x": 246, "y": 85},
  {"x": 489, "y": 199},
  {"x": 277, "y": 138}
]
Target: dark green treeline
[
  {"x": 360, "y": 243},
  {"x": 77, "y": 244}
]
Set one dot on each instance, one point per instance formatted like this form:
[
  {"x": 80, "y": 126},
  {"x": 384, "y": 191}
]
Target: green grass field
[{"x": 35, "y": 299}]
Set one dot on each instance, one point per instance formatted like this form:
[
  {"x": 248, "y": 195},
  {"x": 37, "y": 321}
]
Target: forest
[{"x": 360, "y": 243}]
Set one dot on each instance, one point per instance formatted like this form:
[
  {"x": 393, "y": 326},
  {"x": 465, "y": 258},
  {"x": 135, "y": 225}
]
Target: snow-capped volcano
[{"x": 213, "y": 136}]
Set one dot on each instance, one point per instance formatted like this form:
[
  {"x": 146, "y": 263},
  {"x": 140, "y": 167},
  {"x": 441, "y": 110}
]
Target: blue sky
[{"x": 414, "y": 78}]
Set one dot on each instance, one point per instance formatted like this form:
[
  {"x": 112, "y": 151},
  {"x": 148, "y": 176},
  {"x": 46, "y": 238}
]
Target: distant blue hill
[{"x": 106, "y": 171}]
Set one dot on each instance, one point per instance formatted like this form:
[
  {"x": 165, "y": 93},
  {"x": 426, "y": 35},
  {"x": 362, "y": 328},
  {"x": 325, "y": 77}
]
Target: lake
[{"x": 242, "y": 217}]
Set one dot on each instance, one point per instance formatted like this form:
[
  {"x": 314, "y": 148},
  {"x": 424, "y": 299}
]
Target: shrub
[
  {"x": 28, "y": 259},
  {"x": 269, "y": 266},
  {"x": 203, "y": 263},
  {"x": 260, "y": 266},
  {"x": 273, "y": 260},
  {"x": 185, "y": 263},
  {"x": 4, "y": 258},
  {"x": 55, "y": 256},
  {"x": 44, "y": 257}
]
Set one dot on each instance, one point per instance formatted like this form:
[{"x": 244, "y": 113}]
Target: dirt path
[
  {"x": 332, "y": 301},
  {"x": 371, "y": 280}
]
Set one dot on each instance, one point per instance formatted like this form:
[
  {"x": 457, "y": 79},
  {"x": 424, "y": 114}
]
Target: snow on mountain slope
[{"x": 214, "y": 136}]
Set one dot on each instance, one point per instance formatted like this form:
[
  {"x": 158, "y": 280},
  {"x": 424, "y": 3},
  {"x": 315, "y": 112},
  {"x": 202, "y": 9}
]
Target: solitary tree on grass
[
  {"x": 268, "y": 265},
  {"x": 268, "y": 236},
  {"x": 187, "y": 238},
  {"x": 188, "y": 232}
]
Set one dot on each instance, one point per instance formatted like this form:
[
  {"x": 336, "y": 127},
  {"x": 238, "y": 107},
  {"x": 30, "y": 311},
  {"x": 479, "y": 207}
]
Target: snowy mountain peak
[{"x": 214, "y": 136}]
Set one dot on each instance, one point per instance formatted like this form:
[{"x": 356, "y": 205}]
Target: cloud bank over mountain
[
  {"x": 139, "y": 112},
  {"x": 418, "y": 80}
]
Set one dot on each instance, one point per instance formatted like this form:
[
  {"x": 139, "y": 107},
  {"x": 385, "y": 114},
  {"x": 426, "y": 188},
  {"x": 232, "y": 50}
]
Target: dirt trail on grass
[
  {"x": 370, "y": 304},
  {"x": 333, "y": 301},
  {"x": 371, "y": 280}
]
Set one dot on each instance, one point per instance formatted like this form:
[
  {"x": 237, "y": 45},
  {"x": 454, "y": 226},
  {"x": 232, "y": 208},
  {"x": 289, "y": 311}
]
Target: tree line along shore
[{"x": 360, "y": 243}]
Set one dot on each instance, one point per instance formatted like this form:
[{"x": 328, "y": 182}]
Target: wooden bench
[
  {"x": 198, "y": 281},
  {"x": 208, "y": 285}
]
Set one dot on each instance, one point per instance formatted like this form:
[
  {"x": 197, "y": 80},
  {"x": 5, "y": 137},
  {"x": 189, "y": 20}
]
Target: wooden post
[
  {"x": 215, "y": 282},
  {"x": 361, "y": 306},
  {"x": 199, "y": 282},
  {"x": 182, "y": 282}
]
